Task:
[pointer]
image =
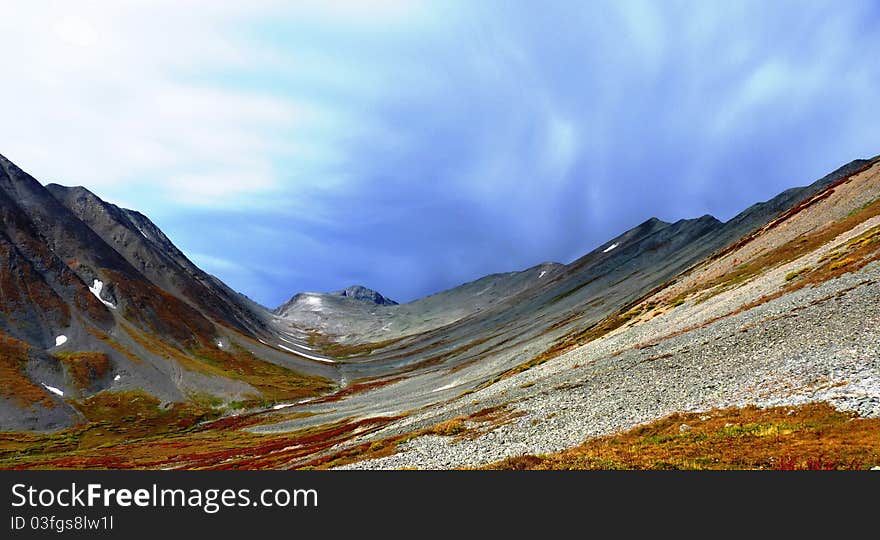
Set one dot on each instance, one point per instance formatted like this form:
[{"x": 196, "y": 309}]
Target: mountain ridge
[
  {"x": 145, "y": 247},
  {"x": 81, "y": 282},
  {"x": 171, "y": 330}
]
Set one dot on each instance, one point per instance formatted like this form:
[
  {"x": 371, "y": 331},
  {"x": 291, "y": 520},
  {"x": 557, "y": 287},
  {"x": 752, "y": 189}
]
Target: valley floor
[{"x": 819, "y": 343}]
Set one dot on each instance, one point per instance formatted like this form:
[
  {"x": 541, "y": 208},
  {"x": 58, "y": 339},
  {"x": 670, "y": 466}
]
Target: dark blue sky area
[{"x": 414, "y": 146}]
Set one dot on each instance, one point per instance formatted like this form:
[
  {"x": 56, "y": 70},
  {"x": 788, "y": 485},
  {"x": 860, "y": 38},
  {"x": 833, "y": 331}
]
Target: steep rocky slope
[
  {"x": 95, "y": 298},
  {"x": 794, "y": 320},
  {"x": 150, "y": 252}
]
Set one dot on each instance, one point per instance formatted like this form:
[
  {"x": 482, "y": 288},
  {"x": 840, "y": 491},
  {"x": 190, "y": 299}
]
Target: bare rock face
[
  {"x": 359, "y": 292},
  {"x": 86, "y": 278},
  {"x": 79, "y": 275},
  {"x": 146, "y": 248}
]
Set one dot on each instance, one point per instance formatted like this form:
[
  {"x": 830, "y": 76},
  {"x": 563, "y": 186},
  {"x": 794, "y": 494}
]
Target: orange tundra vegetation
[
  {"x": 812, "y": 436},
  {"x": 13, "y": 382},
  {"x": 160, "y": 311},
  {"x": 84, "y": 368}
]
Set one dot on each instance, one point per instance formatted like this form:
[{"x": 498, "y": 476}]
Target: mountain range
[{"x": 99, "y": 311}]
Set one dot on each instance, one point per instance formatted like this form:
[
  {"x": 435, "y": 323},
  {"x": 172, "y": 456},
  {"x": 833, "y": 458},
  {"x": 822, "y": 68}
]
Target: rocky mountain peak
[{"x": 359, "y": 292}]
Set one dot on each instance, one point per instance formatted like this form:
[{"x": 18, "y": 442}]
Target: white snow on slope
[
  {"x": 542, "y": 274},
  {"x": 609, "y": 248},
  {"x": 313, "y": 301},
  {"x": 295, "y": 342},
  {"x": 309, "y": 356},
  {"x": 96, "y": 288},
  {"x": 116, "y": 378},
  {"x": 60, "y": 340},
  {"x": 54, "y": 390},
  {"x": 446, "y": 387},
  {"x": 288, "y": 405}
]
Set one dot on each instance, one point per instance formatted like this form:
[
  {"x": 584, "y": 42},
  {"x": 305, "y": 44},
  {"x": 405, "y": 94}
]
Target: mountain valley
[{"x": 118, "y": 352}]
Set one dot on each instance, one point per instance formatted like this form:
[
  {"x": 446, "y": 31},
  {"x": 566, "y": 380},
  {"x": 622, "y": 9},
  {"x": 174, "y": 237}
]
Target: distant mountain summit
[{"x": 359, "y": 292}]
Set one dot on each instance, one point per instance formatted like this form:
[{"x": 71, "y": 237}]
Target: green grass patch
[{"x": 797, "y": 273}]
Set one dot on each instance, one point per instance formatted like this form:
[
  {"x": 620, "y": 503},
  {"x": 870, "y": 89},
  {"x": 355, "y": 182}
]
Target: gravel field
[{"x": 815, "y": 344}]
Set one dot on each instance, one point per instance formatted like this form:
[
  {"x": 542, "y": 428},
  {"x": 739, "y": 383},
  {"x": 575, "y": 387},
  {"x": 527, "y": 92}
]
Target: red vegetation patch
[
  {"x": 148, "y": 437},
  {"x": 460, "y": 427},
  {"x": 356, "y": 388}
]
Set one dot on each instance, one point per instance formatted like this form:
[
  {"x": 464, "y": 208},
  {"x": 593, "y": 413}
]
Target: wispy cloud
[
  {"x": 415, "y": 145},
  {"x": 213, "y": 264}
]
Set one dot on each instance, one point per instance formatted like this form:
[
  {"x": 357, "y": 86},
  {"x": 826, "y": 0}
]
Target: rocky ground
[{"x": 816, "y": 344}]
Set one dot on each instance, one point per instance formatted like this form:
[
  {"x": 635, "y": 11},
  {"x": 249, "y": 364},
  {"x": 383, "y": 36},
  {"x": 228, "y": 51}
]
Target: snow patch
[
  {"x": 117, "y": 378},
  {"x": 294, "y": 341},
  {"x": 609, "y": 248},
  {"x": 219, "y": 344},
  {"x": 542, "y": 274},
  {"x": 288, "y": 405},
  {"x": 445, "y": 387},
  {"x": 96, "y": 288},
  {"x": 60, "y": 340},
  {"x": 309, "y": 356},
  {"x": 54, "y": 390},
  {"x": 313, "y": 301}
]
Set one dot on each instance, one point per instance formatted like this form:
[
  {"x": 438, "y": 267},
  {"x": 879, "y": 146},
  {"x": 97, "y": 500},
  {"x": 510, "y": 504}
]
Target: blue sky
[{"x": 413, "y": 146}]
